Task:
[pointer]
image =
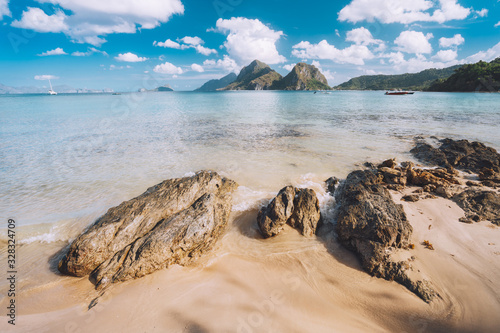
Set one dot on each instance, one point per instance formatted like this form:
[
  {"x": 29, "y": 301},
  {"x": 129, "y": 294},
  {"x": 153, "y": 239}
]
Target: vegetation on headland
[
  {"x": 214, "y": 85},
  {"x": 418, "y": 81},
  {"x": 481, "y": 77}
]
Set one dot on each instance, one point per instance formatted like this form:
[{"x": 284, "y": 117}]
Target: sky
[{"x": 126, "y": 45}]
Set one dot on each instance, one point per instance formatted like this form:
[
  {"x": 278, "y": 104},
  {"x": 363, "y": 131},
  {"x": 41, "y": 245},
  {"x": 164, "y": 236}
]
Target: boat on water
[
  {"x": 51, "y": 91},
  {"x": 399, "y": 92}
]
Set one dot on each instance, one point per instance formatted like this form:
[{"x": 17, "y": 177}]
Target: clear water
[{"x": 64, "y": 160}]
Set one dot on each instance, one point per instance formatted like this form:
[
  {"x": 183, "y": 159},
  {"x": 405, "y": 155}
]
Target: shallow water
[{"x": 66, "y": 159}]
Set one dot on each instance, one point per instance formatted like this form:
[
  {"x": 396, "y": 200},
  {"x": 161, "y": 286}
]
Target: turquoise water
[{"x": 66, "y": 159}]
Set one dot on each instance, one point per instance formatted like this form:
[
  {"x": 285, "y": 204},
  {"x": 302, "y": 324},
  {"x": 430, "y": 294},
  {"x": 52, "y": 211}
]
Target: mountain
[
  {"x": 256, "y": 76},
  {"x": 303, "y": 77},
  {"x": 165, "y": 87},
  {"x": 481, "y": 76},
  {"x": 61, "y": 89},
  {"x": 214, "y": 85},
  {"x": 417, "y": 81}
]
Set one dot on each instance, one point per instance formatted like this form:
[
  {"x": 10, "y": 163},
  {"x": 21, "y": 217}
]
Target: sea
[{"x": 66, "y": 159}]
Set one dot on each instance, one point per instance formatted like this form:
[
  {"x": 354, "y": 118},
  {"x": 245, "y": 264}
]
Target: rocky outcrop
[
  {"x": 172, "y": 222},
  {"x": 256, "y": 76},
  {"x": 480, "y": 205},
  {"x": 297, "y": 207},
  {"x": 303, "y": 77},
  {"x": 370, "y": 223},
  {"x": 461, "y": 154}
]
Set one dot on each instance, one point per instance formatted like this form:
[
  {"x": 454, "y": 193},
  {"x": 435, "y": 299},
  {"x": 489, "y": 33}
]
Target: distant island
[
  {"x": 62, "y": 89},
  {"x": 259, "y": 76},
  {"x": 481, "y": 76}
]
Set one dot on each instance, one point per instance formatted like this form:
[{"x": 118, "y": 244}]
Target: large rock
[
  {"x": 480, "y": 205},
  {"x": 461, "y": 154},
  {"x": 172, "y": 222},
  {"x": 369, "y": 223},
  {"x": 297, "y": 207}
]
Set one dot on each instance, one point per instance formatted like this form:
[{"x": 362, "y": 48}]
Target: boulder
[
  {"x": 369, "y": 223},
  {"x": 331, "y": 184},
  {"x": 172, "y": 222},
  {"x": 297, "y": 207},
  {"x": 480, "y": 205}
]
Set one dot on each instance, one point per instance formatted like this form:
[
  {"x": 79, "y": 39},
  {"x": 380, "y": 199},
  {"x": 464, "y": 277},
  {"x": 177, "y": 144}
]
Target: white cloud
[
  {"x": 45, "y": 77},
  {"x": 90, "y": 51},
  {"x": 288, "y": 67},
  {"x": 354, "y": 54},
  {"x": 57, "y": 51},
  {"x": 91, "y": 20},
  {"x": 248, "y": 40},
  {"x": 168, "y": 68},
  {"x": 361, "y": 36},
  {"x": 197, "y": 68},
  {"x": 482, "y": 13},
  {"x": 4, "y": 9},
  {"x": 415, "y": 64},
  {"x": 189, "y": 43},
  {"x": 497, "y": 24},
  {"x": 327, "y": 73},
  {"x": 446, "y": 55},
  {"x": 192, "y": 40},
  {"x": 487, "y": 55},
  {"x": 395, "y": 11},
  {"x": 130, "y": 57},
  {"x": 36, "y": 19},
  {"x": 227, "y": 64},
  {"x": 168, "y": 43},
  {"x": 453, "y": 41},
  {"x": 414, "y": 42}
]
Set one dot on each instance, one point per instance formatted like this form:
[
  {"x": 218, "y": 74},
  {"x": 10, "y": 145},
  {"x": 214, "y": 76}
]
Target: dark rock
[
  {"x": 470, "y": 183},
  {"x": 480, "y": 205},
  {"x": 272, "y": 218},
  {"x": 466, "y": 220},
  {"x": 425, "y": 153},
  {"x": 331, "y": 183},
  {"x": 393, "y": 176},
  {"x": 369, "y": 223},
  {"x": 407, "y": 165},
  {"x": 306, "y": 214},
  {"x": 369, "y": 165},
  {"x": 487, "y": 174},
  {"x": 172, "y": 222},
  {"x": 391, "y": 163},
  {"x": 411, "y": 198},
  {"x": 297, "y": 207}
]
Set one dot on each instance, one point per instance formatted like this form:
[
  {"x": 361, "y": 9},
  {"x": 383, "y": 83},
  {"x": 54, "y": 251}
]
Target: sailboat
[{"x": 51, "y": 91}]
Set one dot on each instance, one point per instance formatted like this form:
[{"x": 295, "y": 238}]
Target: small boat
[
  {"x": 116, "y": 93},
  {"x": 399, "y": 92},
  {"x": 51, "y": 91}
]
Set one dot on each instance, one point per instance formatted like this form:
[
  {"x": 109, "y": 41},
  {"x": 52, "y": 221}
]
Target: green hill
[
  {"x": 417, "y": 81},
  {"x": 256, "y": 76},
  {"x": 303, "y": 77},
  {"x": 481, "y": 76},
  {"x": 214, "y": 85}
]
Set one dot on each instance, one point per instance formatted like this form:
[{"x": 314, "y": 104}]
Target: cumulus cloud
[
  {"x": 395, "y": 11},
  {"x": 288, "y": 67},
  {"x": 453, "y": 41},
  {"x": 446, "y": 55},
  {"x": 361, "y": 36},
  {"x": 354, "y": 54},
  {"x": 487, "y": 55},
  {"x": 57, "y": 51},
  {"x": 189, "y": 43},
  {"x": 226, "y": 64},
  {"x": 130, "y": 57},
  {"x": 497, "y": 24},
  {"x": 414, "y": 42},
  {"x": 168, "y": 68},
  {"x": 248, "y": 40},
  {"x": 327, "y": 73},
  {"x": 36, "y": 19},
  {"x": 415, "y": 64},
  {"x": 197, "y": 68},
  {"x": 90, "y": 51},
  {"x": 92, "y": 20},
  {"x": 482, "y": 13},
  {"x": 45, "y": 77},
  {"x": 4, "y": 9}
]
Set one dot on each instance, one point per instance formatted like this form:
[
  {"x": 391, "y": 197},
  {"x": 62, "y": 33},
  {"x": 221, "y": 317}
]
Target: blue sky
[{"x": 126, "y": 45}]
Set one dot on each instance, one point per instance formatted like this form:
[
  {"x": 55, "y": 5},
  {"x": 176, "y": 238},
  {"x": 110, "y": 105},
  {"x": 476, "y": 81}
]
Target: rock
[
  {"x": 271, "y": 219},
  {"x": 411, "y": 198},
  {"x": 407, "y": 165},
  {"x": 490, "y": 175},
  {"x": 369, "y": 223},
  {"x": 369, "y": 165},
  {"x": 480, "y": 205},
  {"x": 461, "y": 154},
  {"x": 297, "y": 207},
  {"x": 306, "y": 214},
  {"x": 330, "y": 184},
  {"x": 393, "y": 176},
  {"x": 172, "y": 222},
  {"x": 391, "y": 163},
  {"x": 466, "y": 220}
]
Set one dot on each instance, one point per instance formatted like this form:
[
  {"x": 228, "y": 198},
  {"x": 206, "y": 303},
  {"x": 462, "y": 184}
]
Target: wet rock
[
  {"x": 425, "y": 153},
  {"x": 297, "y": 207},
  {"x": 331, "y": 183},
  {"x": 490, "y": 175},
  {"x": 411, "y": 198},
  {"x": 369, "y": 223},
  {"x": 271, "y": 219},
  {"x": 172, "y": 222},
  {"x": 480, "y": 205}
]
